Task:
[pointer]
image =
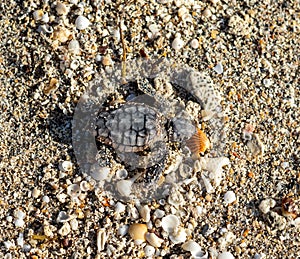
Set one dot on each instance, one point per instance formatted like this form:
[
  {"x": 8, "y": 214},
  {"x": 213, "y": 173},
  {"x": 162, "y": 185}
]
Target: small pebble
[
  {"x": 46, "y": 199},
  {"x": 219, "y": 68},
  {"x": 19, "y": 223},
  {"x": 195, "y": 44},
  {"x": 266, "y": 205},
  {"x": 154, "y": 240},
  {"x": 229, "y": 197},
  {"x": 177, "y": 43},
  {"x": 81, "y": 22},
  {"x": 74, "y": 47}
]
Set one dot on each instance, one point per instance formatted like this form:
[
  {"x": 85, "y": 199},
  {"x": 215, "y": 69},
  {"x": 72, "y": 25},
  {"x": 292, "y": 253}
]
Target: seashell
[
  {"x": 145, "y": 213},
  {"x": 61, "y": 34},
  {"x": 66, "y": 166},
  {"x": 169, "y": 223},
  {"x": 154, "y": 240},
  {"x": 61, "y": 8},
  {"x": 137, "y": 231},
  {"x": 195, "y": 249},
  {"x": 124, "y": 187},
  {"x": 99, "y": 173},
  {"x": 65, "y": 229},
  {"x": 229, "y": 197},
  {"x": 209, "y": 188},
  {"x": 159, "y": 213},
  {"x": 123, "y": 230},
  {"x": 106, "y": 61},
  {"x": 121, "y": 174},
  {"x": 120, "y": 207},
  {"x": 266, "y": 205},
  {"x": 219, "y": 68},
  {"x": 63, "y": 217},
  {"x": 74, "y": 47},
  {"x": 45, "y": 18},
  {"x": 194, "y": 44},
  {"x": 73, "y": 190},
  {"x": 81, "y": 22},
  {"x": 177, "y": 43},
  {"x": 149, "y": 250},
  {"x": 85, "y": 186},
  {"x": 101, "y": 239},
  {"x": 198, "y": 143},
  {"x": 226, "y": 255},
  {"x": 288, "y": 207},
  {"x": 179, "y": 236},
  {"x": 175, "y": 198},
  {"x": 38, "y": 15}
]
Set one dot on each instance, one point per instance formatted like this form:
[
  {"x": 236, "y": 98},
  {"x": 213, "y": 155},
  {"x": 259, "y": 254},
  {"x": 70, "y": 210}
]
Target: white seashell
[
  {"x": 159, "y": 213},
  {"x": 145, "y": 213},
  {"x": 73, "y": 190},
  {"x": 63, "y": 217},
  {"x": 45, "y": 18},
  {"x": 20, "y": 240},
  {"x": 137, "y": 232},
  {"x": 121, "y": 174},
  {"x": 177, "y": 43},
  {"x": 74, "y": 47},
  {"x": 46, "y": 199},
  {"x": 65, "y": 229},
  {"x": 81, "y": 22},
  {"x": 195, "y": 44},
  {"x": 19, "y": 214},
  {"x": 74, "y": 224},
  {"x": 226, "y": 255},
  {"x": 61, "y": 8},
  {"x": 149, "y": 250},
  {"x": 209, "y": 188},
  {"x": 124, "y": 187},
  {"x": 175, "y": 198},
  {"x": 66, "y": 166},
  {"x": 85, "y": 186},
  {"x": 266, "y": 205},
  {"x": 179, "y": 236},
  {"x": 123, "y": 230},
  {"x": 195, "y": 249},
  {"x": 19, "y": 223},
  {"x": 120, "y": 207},
  {"x": 74, "y": 64},
  {"x": 101, "y": 239},
  {"x": 38, "y": 15},
  {"x": 116, "y": 34},
  {"x": 154, "y": 240},
  {"x": 99, "y": 173},
  {"x": 219, "y": 68},
  {"x": 169, "y": 223},
  {"x": 229, "y": 197}
]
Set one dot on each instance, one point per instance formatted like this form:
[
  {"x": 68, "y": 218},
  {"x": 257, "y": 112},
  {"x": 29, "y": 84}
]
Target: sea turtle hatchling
[
  {"x": 136, "y": 133},
  {"x": 142, "y": 133}
]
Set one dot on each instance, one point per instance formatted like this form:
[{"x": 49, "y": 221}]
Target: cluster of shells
[{"x": 182, "y": 96}]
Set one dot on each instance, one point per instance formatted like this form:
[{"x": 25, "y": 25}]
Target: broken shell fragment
[
  {"x": 137, "y": 232},
  {"x": 179, "y": 236},
  {"x": 74, "y": 190},
  {"x": 81, "y": 22},
  {"x": 145, "y": 213},
  {"x": 169, "y": 223},
  {"x": 154, "y": 240},
  {"x": 101, "y": 239}
]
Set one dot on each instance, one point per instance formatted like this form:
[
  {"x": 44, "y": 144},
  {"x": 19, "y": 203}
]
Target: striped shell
[{"x": 198, "y": 143}]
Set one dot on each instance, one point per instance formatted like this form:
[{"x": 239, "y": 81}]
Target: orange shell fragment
[{"x": 198, "y": 143}]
